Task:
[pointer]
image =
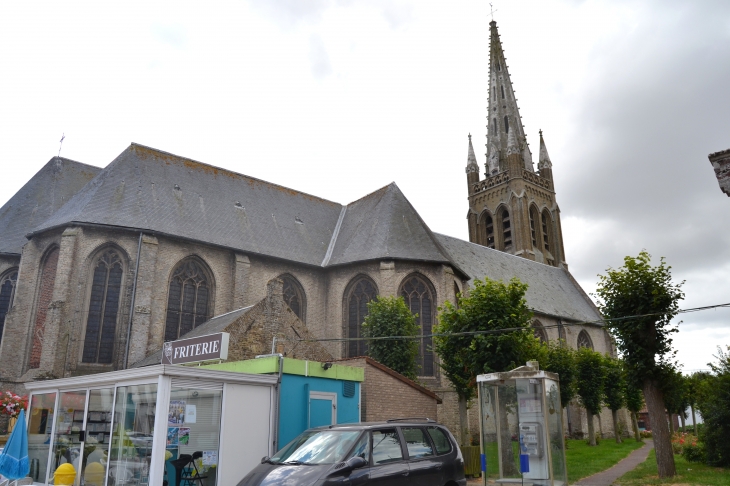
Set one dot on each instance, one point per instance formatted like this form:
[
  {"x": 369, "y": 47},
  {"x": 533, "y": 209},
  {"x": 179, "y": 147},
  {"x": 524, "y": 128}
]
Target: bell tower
[{"x": 513, "y": 209}]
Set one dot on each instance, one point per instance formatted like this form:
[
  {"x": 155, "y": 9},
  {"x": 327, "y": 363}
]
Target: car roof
[{"x": 381, "y": 424}]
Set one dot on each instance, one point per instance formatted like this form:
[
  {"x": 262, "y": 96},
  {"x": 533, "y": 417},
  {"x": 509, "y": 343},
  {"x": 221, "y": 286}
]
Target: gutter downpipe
[{"x": 131, "y": 305}]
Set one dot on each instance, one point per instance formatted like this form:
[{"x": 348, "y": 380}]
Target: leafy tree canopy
[
  {"x": 491, "y": 306},
  {"x": 557, "y": 357},
  {"x": 638, "y": 289},
  {"x": 591, "y": 379},
  {"x": 714, "y": 405},
  {"x": 615, "y": 383},
  {"x": 390, "y": 316}
]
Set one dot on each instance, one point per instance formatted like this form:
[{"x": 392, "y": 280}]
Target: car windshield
[{"x": 317, "y": 447}]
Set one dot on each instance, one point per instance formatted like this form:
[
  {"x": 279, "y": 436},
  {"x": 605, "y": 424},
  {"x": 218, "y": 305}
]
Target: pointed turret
[
  {"x": 544, "y": 164},
  {"x": 472, "y": 168},
  {"x": 504, "y": 115}
]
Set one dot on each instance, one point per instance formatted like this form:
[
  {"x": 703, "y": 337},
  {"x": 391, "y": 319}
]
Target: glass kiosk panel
[
  {"x": 97, "y": 437},
  {"x": 68, "y": 439},
  {"x": 555, "y": 427},
  {"x": 132, "y": 432},
  {"x": 40, "y": 426}
]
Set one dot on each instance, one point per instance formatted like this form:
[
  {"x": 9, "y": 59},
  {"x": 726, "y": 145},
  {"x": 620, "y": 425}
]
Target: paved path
[{"x": 607, "y": 477}]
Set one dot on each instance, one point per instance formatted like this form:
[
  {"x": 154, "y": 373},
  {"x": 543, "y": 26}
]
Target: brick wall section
[
  {"x": 45, "y": 297},
  {"x": 387, "y": 394}
]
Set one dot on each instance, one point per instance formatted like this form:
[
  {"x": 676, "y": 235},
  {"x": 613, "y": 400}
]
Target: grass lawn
[
  {"x": 687, "y": 473},
  {"x": 584, "y": 461}
]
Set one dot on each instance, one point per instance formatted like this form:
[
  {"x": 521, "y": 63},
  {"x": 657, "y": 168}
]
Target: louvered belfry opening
[
  {"x": 104, "y": 301},
  {"x": 188, "y": 299},
  {"x": 294, "y": 296},
  {"x": 506, "y": 231},
  {"x": 361, "y": 291},
  {"x": 418, "y": 293},
  {"x": 489, "y": 230},
  {"x": 7, "y": 292}
]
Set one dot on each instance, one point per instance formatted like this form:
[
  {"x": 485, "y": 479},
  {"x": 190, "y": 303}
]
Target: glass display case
[{"x": 521, "y": 427}]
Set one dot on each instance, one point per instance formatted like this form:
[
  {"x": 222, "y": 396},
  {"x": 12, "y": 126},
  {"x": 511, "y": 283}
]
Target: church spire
[
  {"x": 504, "y": 115},
  {"x": 472, "y": 168},
  {"x": 544, "y": 164}
]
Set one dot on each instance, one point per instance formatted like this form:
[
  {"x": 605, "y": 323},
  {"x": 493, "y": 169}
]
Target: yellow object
[
  {"x": 65, "y": 475},
  {"x": 94, "y": 474}
]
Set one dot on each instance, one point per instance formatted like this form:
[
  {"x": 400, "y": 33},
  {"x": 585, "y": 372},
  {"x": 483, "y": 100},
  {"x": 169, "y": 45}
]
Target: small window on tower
[
  {"x": 495, "y": 125},
  {"x": 494, "y": 92},
  {"x": 501, "y": 86},
  {"x": 499, "y": 66},
  {"x": 506, "y": 125},
  {"x": 506, "y": 231},
  {"x": 533, "y": 230}
]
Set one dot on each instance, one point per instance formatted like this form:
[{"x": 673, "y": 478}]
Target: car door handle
[{"x": 406, "y": 473}]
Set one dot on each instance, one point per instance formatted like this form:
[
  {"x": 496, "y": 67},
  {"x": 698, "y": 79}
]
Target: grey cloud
[
  {"x": 289, "y": 12},
  {"x": 658, "y": 106},
  {"x": 318, "y": 57}
]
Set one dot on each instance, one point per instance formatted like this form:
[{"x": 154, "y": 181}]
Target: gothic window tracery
[
  {"x": 7, "y": 292},
  {"x": 104, "y": 301},
  {"x": 43, "y": 302},
  {"x": 584, "y": 340},
  {"x": 419, "y": 295},
  {"x": 294, "y": 296},
  {"x": 188, "y": 302},
  {"x": 360, "y": 291},
  {"x": 539, "y": 331}
]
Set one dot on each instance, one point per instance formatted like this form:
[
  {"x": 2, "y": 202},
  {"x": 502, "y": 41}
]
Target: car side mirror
[
  {"x": 264, "y": 459},
  {"x": 356, "y": 462}
]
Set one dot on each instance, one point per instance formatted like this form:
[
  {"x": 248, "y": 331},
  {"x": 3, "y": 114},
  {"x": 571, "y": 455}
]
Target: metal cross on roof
[{"x": 491, "y": 10}]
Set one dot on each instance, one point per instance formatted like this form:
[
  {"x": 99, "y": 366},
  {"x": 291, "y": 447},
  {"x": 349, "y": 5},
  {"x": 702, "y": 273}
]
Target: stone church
[{"x": 100, "y": 266}]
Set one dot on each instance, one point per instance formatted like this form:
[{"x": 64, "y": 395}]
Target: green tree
[
  {"x": 388, "y": 317},
  {"x": 557, "y": 357},
  {"x": 714, "y": 405},
  {"x": 674, "y": 389},
  {"x": 615, "y": 390},
  {"x": 694, "y": 388},
  {"x": 639, "y": 301},
  {"x": 590, "y": 383},
  {"x": 497, "y": 312},
  {"x": 634, "y": 402}
]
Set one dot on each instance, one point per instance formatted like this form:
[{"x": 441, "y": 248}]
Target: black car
[{"x": 397, "y": 452}]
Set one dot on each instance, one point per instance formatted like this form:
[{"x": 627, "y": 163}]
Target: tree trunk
[
  {"x": 463, "y": 423},
  {"x": 660, "y": 431},
  {"x": 671, "y": 425},
  {"x": 614, "y": 416},
  {"x": 635, "y": 423},
  {"x": 694, "y": 420},
  {"x": 509, "y": 467},
  {"x": 600, "y": 424},
  {"x": 684, "y": 424},
  {"x": 591, "y": 429}
]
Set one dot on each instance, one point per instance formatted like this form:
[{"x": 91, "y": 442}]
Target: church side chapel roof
[
  {"x": 48, "y": 190},
  {"x": 147, "y": 189},
  {"x": 551, "y": 290}
]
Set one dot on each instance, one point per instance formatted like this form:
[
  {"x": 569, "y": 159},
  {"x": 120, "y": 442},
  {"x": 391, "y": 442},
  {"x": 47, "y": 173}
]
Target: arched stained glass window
[
  {"x": 539, "y": 331},
  {"x": 419, "y": 295},
  {"x": 294, "y": 296},
  {"x": 584, "y": 340},
  {"x": 45, "y": 297},
  {"x": 7, "y": 292},
  {"x": 188, "y": 301},
  {"x": 104, "y": 301},
  {"x": 360, "y": 291}
]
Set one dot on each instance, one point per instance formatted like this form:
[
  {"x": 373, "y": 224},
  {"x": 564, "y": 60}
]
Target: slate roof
[
  {"x": 48, "y": 190},
  {"x": 551, "y": 290},
  {"x": 212, "y": 326},
  {"x": 146, "y": 189}
]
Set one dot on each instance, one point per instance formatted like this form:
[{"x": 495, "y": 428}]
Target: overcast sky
[{"x": 339, "y": 98}]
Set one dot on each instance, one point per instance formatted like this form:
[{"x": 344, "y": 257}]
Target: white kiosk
[
  {"x": 156, "y": 426},
  {"x": 521, "y": 428}
]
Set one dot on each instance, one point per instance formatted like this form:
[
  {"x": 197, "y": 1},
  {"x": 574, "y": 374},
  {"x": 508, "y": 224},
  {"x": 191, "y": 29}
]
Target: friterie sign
[{"x": 192, "y": 350}]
